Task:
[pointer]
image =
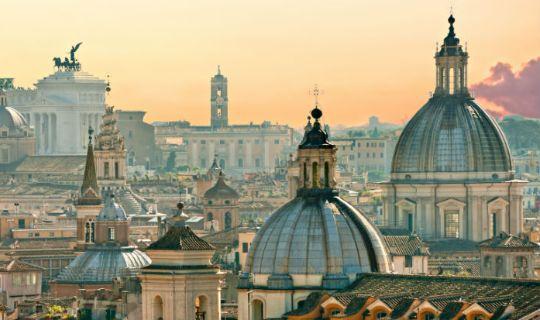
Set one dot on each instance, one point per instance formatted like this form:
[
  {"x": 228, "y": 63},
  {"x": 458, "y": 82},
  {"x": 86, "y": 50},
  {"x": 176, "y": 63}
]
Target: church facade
[
  {"x": 452, "y": 172},
  {"x": 239, "y": 148}
]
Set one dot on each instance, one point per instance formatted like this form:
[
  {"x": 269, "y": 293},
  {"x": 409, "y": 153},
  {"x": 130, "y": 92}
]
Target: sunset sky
[{"x": 368, "y": 57}]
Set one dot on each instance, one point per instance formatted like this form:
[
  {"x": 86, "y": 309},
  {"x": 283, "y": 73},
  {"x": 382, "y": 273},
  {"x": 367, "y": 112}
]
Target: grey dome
[
  {"x": 451, "y": 134},
  {"x": 313, "y": 236},
  {"x": 102, "y": 264},
  {"x": 112, "y": 211},
  {"x": 12, "y": 120}
]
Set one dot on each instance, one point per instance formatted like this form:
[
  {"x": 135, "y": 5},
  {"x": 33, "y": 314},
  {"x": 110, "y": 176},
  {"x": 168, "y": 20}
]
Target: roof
[
  {"x": 101, "y": 264},
  {"x": 452, "y": 134},
  {"x": 12, "y": 120},
  {"x": 18, "y": 266},
  {"x": 452, "y": 245},
  {"x": 89, "y": 188},
  {"x": 314, "y": 136},
  {"x": 318, "y": 236},
  {"x": 112, "y": 211},
  {"x": 221, "y": 190},
  {"x": 53, "y": 164},
  {"x": 505, "y": 240},
  {"x": 180, "y": 238},
  {"x": 406, "y": 246},
  {"x": 488, "y": 291}
]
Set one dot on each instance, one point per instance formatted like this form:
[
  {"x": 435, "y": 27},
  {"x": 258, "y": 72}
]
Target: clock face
[{"x": 219, "y": 100}]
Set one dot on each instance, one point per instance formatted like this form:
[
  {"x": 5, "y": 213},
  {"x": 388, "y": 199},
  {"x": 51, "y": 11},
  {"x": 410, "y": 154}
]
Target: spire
[{"x": 89, "y": 188}]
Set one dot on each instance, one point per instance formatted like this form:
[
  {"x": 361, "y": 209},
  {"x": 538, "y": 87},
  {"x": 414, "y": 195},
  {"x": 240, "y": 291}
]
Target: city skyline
[{"x": 163, "y": 66}]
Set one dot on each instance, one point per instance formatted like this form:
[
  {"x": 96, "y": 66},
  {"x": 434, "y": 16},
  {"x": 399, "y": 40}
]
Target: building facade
[
  {"x": 239, "y": 148},
  {"x": 452, "y": 173},
  {"x": 358, "y": 155},
  {"x": 139, "y": 138},
  {"x": 61, "y": 107}
]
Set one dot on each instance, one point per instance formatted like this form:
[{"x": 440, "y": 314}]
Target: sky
[{"x": 367, "y": 57}]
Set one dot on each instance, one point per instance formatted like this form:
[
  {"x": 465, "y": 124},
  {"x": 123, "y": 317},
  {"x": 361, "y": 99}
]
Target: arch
[
  {"x": 257, "y": 310},
  {"x": 315, "y": 175},
  {"x": 209, "y": 216},
  {"x": 228, "y": 220},
  {"x": 305, "y": 175},
  {"x": 201, "y": 308},
  {"x": 157, "y": 308}
]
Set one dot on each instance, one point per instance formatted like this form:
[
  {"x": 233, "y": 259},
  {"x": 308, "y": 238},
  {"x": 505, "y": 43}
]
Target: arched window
[
  {"x": 257, "y": 310},
  {"x": 326, "y": 175},
  {"x": 487, "y": 262},
  {"x": 157, "y": 308},
  {"x": 209, "y": 216},
  {"x": 228, "y": 220},
  {"x": 383, "y": 315},
  {"x": 305, "y": 176},
  {"x": 201, "y": 308},
  {"x": 315, "y": 175}
]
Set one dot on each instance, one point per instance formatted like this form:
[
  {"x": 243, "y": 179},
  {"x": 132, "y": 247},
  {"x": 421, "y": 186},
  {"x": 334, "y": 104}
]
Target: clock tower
[{"x": 219, "y": 101}]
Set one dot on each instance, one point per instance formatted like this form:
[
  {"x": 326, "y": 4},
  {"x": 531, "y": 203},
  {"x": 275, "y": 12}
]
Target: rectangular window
[
  {"x": 245, "y": 247},
  {"x": 451, "y": 224},
  {"x": 258, "y": 163},
  {"x": 382, "y": 155},
  {"x": 240, "y": 141},
  {"x": 203, "y": 163},
  {"x": 257, "y": 141},
  {"x": 21, "y": 223},
  {"x": 221, "y": 141},
  {"x": 408, "y": 261},
  {"x": 116, "y": 170},
  {"x": 106, "y": 169},
  {"x": 240, "y": 163},
  {"x": 203, "y": 141},
  {"x": 4, "y": 155},
  {"x": 367, "y": 154},
  {"x": 112, "y": 234},
  {"x": 276, "y": 141}
]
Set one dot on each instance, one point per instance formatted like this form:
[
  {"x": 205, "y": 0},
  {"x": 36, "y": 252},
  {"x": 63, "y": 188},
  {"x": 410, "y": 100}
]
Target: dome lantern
[{"x": 451, "y": 65}]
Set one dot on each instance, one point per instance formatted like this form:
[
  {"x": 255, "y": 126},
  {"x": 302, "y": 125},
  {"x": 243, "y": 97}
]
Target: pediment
[
  {"x": 498, "y": 202},
  {"x": 451, "y": 203},
  {"x": 405, "y": 203}
]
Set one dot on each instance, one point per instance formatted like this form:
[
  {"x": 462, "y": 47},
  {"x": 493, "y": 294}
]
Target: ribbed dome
[
  {"x": 452, "y": 134},
  {"x": 13, "y": 120},
  {"x": 313, "y": 236},
  {"x": 102, "y": 264}
]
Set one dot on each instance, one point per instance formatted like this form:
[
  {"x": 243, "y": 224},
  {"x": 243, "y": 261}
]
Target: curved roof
[
  {"x": 12, "y": 119},
  {"x": 221, "y": 190},
  {"x": 451, "y": 134},
  {"x": 102, "y": 264},
  {"x": 112, "y": 211},
  {"x": 317, "y": 236}
]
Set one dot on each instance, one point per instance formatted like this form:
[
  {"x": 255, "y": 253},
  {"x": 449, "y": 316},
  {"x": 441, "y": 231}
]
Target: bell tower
[
  {"x": 219, "y": 101},
  {"x": 451, "y": 65}
]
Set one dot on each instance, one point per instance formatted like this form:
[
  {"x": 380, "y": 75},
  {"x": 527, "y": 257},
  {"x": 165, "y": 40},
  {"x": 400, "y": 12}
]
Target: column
[
  {"x": 249, "y": 154},
  {"x": 49, "y": 133}
]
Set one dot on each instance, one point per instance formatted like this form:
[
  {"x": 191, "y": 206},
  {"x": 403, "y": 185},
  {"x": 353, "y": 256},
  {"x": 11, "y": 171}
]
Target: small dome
[
  {"x": 221, "y": 190},
  {"x": 313, "y": 236},
  {"x": 13, "y": 120},
  {"x": 102, "y": 264},
  {"x": 112, "y": 211},
  {"x": 452, "y": 134}
]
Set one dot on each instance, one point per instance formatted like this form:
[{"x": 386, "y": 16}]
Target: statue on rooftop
[{"x": 71, "y": 63}]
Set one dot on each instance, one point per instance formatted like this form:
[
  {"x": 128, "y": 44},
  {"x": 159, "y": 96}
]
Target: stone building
[
  {"x": 181, "y": 282},
  {"x": 239, "y": 148},
  {"x": 508, "y": 256},
  {"x": 61, "y": 108},
  {"x": 17, "y": 139},
  {"x": 139, "y": 138},
  {"x": 221, "y": 206},
  {"x": 19, "y": 281},
  {"x": 108, "y": 258},
  {"x": 452, "y": 170},
  {"x": 365, "y": 154},
  {"x": 315, "y": 242}
]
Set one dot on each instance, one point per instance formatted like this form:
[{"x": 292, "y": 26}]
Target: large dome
[
  {"x": 452, "y": 134},
  {"x": 310, "y": 236}
]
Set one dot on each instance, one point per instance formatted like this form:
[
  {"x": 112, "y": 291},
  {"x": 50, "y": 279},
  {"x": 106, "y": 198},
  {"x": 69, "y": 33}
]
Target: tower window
[
  {"x": 315, "y": 175},
  {"x": 112, "y": 234},
  {"x": 116, "y": 170},
  {"x": 106, "y": 169},
  {"x": 326, "y": 174}
]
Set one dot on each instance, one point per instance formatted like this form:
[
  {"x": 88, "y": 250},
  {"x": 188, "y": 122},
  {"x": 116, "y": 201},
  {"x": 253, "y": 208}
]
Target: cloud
[{"x": 515, "y": 93}]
